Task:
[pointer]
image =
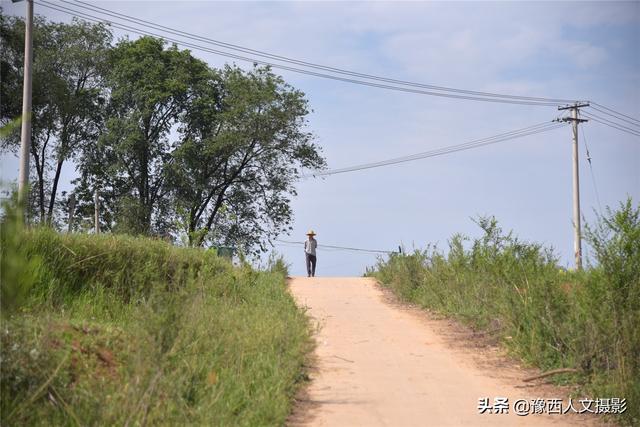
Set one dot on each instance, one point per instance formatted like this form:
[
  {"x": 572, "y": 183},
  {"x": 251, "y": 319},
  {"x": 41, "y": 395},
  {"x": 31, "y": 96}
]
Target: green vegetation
[
  {"x": 175, "y": 148},
  {"x": 113, "y": 329},
  {"x": 116, "y": 330},
  {"x": 549, "y": 317}
]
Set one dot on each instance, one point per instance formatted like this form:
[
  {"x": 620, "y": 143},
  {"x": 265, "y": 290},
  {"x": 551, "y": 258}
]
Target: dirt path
[{"x": 381, "y": 365}]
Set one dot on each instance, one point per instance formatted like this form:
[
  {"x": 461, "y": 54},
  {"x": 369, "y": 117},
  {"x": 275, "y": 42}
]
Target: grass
[
  {"x": 116, "y": 330},
  {"x": 545, "y": 315}
]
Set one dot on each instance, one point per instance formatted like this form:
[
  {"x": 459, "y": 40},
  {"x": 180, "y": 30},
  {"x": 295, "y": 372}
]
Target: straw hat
[{"x": 311, "y": 233}]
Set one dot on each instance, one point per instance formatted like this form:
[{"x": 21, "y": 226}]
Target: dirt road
[{"x": 381, "y": 365}]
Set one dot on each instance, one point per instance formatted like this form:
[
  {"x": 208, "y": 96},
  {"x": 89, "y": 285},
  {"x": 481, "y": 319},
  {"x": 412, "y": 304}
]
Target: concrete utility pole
[
  {"x": 577, "y": 237},
  {"x": 25, "y": 142},
  {"x": 96, "y": 202}
]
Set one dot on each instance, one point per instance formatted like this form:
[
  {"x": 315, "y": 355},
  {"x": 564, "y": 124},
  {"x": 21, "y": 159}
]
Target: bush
[{"x": 544, "y": 314}]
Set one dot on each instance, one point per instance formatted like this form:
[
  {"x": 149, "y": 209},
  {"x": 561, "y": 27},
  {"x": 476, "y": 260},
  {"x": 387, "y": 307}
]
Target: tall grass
[
  {"x": 115, "y": 330},
  {"x": 550, "y": 317}
]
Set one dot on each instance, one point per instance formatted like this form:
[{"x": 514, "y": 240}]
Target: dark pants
[{"x": 311, "y": 264}]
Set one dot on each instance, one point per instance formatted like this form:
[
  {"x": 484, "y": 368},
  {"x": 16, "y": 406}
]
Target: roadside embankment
[
  {"x": 551, "y": 318},
  {"x": 116, "y": 330}
]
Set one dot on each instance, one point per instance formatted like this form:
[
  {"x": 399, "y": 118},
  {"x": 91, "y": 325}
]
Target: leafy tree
[
  {"x": 162, "y": 136},
  {"x": 81, "y": 100},
  {"x": 43, "y": 111},
  {"x": 149, "y": 86},
  {"x": 67, "y": 96},
  {"x": 243, "y": 140}
]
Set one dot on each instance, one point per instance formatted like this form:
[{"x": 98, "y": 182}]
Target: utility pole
[
  {"x": 25, "y": 136},
  {"x": 96, "y": 202},
  {"x": 577, "y": 237}
]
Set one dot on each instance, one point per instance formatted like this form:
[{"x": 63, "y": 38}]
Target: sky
[{"x": 573, "y": 50}]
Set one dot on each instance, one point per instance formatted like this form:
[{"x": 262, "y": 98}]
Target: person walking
[{"x": 310, "y": 246}]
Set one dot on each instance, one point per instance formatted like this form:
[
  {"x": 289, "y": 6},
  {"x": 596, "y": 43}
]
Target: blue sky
[{"x": 576, "y": 50}]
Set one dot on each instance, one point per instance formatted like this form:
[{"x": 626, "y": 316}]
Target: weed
[
  {"x": 116, "y": 330},
  {"x": 545, "y": 315}
]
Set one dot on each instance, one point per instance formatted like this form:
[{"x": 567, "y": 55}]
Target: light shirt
[{"x": 310, "y": 246}]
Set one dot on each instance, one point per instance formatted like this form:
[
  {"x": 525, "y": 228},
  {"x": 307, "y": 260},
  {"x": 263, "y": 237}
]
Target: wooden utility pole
[
  {"x": 577, "y": 237},
  {"x": 25, "y": 136}
]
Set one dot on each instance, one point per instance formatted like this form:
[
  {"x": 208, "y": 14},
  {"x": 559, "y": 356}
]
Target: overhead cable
[
  {"x": 593, "y": 175},
  {"x": 493, "y": 98},
  {"x": 611, "y": 124},
  {"x": 272, "y": 56},
  {"x": 590, "y": 114},
  {"x": 611, "y": 110},
  {"x": 530, "y": 130},
  {"x": 616, "y": 116},
  {"x": 337, "y": 247}
]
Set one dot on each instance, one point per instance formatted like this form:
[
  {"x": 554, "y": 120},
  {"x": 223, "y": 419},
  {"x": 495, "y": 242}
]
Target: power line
[
  {"x": 256, "y": 61},
  {"x": 616, "y": 112},
  {"x": 530, "y": 130},
  {"x": 495, "y": 99},
  {"x": 442, "y": 151},
  {"x": 611, "y": 124},
  {"x": 337, "y": 247},
  {"x": 593, "y": 176},
  {"x": 617, "y": 117},
  {"x": 264, "y": 54},
  {"x": 285, "y": 245}
]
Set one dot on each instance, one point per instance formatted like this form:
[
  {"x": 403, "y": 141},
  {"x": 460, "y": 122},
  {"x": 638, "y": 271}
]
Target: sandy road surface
[{"x": 380, "y": 365}]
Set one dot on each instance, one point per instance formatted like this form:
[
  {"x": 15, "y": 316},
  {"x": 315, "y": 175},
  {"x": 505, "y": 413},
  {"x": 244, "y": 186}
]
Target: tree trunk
[
  {"x": 40, "y": 172},
  {"x": 191, "y": 227},
  {"x": 144, "y": 180},
  {"x": 41, "y": 161},
  {"x": 54, "y": 190},
  {"x": 212, "y": 217}
]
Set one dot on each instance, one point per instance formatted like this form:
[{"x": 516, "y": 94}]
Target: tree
[
  {"x": 162, "y": 136},
  {"x": 243, "y": 140},
  {"x": 68, "y": 95},
  {"x": 149, "y": 86},
  {"x": 43, "y": 111}
]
